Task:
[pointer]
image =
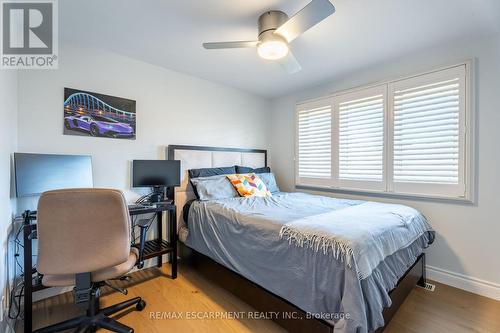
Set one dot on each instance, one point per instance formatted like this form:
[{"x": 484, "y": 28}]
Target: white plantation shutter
[
  {"x": 411, "y": 136},
  {"x": 426, "y": 133},
  {"x": 429, "y": 132},
  {"x": 361, "y": 138},
  {"x": 314, "y": 144}
]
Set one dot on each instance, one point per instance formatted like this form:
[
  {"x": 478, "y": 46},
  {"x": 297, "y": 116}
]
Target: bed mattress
[{"x": 243, "y": 234}]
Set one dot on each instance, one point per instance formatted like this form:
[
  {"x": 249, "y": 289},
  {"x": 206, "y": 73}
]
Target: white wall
[
  {"x": 172, "y": 108},
  {"x": 8, "y": 142},
  {"x": 467, "y": 247}
]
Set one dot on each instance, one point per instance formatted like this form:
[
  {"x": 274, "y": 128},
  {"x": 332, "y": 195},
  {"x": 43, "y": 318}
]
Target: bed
[{"x": 242, "y": 244}]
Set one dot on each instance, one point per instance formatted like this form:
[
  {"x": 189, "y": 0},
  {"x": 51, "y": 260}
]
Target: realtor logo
[{"x": 29, "y": 34}]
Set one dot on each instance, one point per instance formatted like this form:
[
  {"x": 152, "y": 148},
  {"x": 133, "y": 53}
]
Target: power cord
[
  {"x": 146, "y": 198},
  {"x": 17, "y": 291},
  {"x": 16, "y": 296}
]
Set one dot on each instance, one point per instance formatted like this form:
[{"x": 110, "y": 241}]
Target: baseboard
[
  {"x": 464, "y": 282},
  {"x": 50, "y": 292}
]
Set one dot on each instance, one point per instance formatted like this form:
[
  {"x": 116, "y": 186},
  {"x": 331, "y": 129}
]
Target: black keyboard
[
  {"x": 148, "y": 206},
  {"x": 136, "y": 207}
]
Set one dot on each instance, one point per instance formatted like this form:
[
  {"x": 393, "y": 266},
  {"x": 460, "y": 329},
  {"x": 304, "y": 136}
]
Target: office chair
[{"x": 84, "y": 240}]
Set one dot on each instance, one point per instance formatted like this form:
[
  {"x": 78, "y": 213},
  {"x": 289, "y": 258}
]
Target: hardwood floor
[{"x": 445, "y": 310}]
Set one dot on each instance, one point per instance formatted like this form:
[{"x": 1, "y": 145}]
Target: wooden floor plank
[{"x": 445, "y": 310}]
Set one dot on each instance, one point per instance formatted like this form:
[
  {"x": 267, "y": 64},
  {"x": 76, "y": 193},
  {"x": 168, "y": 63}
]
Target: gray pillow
[
  {"x": 242, "y": 169},
  {"x": 214, "y": 187},
  {"x": 270, "y": 182},
  {"x": 208, "y": 172}
]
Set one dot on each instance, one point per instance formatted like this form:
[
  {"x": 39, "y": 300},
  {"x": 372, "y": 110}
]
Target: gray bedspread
[
  {"x": 243, "y": 234},
  {"x": 360, "y": 235}
]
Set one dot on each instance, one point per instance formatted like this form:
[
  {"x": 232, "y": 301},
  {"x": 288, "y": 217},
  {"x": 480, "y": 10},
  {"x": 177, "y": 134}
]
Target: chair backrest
[{"x": 82, "y": 230}]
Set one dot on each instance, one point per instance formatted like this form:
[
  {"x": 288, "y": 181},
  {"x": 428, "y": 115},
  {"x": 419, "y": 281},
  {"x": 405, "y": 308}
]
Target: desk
[{"x": 153, "y": 248}]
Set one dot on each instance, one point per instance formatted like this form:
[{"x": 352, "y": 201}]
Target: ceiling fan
[{"x": 276, "y": 31}]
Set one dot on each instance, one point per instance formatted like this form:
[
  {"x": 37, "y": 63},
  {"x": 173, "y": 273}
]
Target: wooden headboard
[{"x": 195, "y": 157}]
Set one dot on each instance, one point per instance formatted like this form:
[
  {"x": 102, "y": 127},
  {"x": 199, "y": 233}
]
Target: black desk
[{"x": 153, "y": 248}]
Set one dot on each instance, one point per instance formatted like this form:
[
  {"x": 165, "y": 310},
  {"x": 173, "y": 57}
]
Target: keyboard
[
  {"x": 136, "y": 206},
  {"x": 147, "y": 206}
]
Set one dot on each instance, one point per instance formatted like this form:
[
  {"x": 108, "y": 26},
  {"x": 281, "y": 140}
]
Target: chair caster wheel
[{"x": 141, "y": 305}]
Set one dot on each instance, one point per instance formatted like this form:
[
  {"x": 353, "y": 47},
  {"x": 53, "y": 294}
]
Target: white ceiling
[{"x": 359, "y": 34}]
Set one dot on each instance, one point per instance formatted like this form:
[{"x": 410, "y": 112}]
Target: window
[
  {"x": 361, "y": 137},
  {"x": 409, "y": 136},
  {"x": 314, "y": 143},
  {"x": 429, "y": 134}
]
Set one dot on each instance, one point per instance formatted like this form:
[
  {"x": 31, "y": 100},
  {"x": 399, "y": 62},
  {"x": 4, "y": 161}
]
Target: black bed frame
[{"x": 289, "y": 316}]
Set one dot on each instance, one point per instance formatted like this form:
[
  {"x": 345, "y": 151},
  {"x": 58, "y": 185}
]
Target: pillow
[
  {"x": 242, "y": 169},
  {"x": 207, "y": 172},
  {"x": 249, "y": 185},
  {"x": 270, "y": 181},
  {"x": 214, "y": 187}
]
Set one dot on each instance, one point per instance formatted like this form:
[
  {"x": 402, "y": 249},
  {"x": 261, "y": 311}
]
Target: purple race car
[{"x": 99, "y": 126}]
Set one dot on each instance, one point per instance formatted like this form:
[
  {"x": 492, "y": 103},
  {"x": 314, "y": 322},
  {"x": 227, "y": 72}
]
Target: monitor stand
[{"x": 158, "y": 194}]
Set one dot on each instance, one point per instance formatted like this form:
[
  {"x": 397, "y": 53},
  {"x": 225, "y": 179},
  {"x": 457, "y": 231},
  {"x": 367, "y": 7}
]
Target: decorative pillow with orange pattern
[{"x": 249, "y": 185}]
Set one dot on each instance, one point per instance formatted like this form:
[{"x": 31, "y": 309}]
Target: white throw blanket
[{"x": 361, "y": 236}]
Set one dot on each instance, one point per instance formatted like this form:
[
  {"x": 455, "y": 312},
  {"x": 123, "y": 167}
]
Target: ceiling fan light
[{"x": 273, "y": 49}]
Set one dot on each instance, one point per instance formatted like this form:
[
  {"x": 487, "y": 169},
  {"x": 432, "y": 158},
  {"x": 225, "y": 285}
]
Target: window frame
[{"x": 409, "y": 190}]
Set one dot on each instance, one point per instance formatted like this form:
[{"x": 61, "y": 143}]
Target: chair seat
[{"x": 97, "y": 276}]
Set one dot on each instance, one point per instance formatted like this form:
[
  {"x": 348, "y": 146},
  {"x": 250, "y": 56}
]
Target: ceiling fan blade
[
  {"x": 290, "y": 63},
  {"x": 315, "y": 12},
  {"x": 230, "y": 45}
]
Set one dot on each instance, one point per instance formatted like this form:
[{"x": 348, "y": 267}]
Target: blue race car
[{"x": 99, "y": 126}]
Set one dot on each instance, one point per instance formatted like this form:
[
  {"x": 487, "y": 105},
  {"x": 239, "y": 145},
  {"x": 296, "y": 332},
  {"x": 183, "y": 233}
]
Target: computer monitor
[
  {"x": 37, "y": 173},
  {"x": 156, "y": 173}
]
